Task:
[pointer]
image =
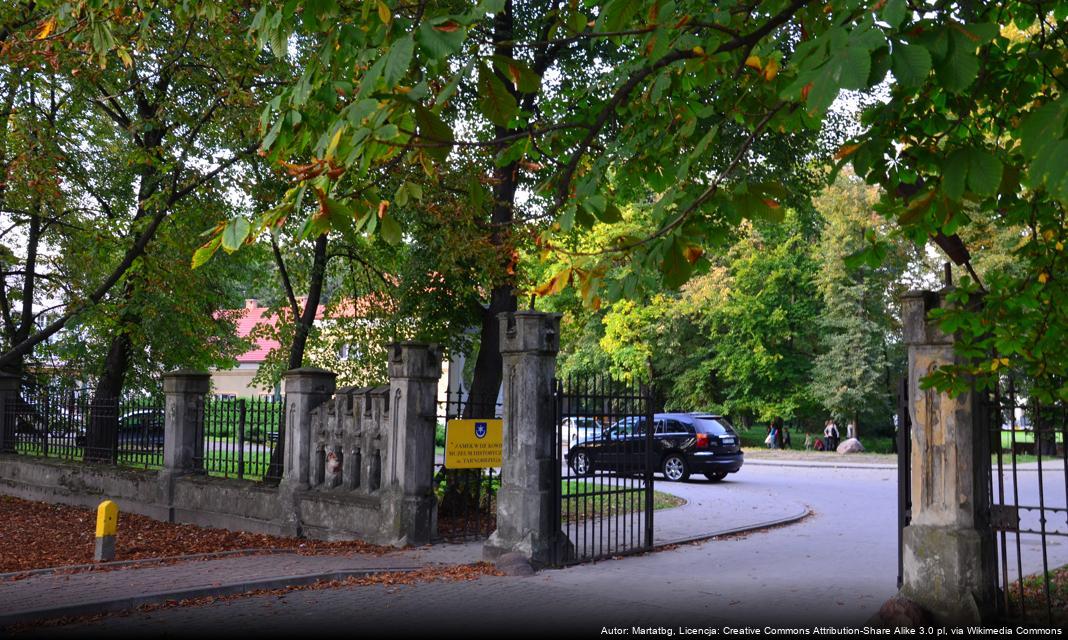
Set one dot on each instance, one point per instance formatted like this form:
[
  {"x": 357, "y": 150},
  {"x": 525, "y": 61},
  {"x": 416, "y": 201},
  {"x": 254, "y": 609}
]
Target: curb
[
  {"x": 820, "y": 464},
  {"x": 860, "y": 465},
  {"x": 124, "y": 604},
  {"x": 117, "y": 564},
  {"x": 746, "y": 528}
]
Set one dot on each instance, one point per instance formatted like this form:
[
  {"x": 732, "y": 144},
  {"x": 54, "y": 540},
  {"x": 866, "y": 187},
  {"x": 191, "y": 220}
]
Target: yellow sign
[
  {"x": 107, "y": 519},
  {"x": 473, "y": 444}
]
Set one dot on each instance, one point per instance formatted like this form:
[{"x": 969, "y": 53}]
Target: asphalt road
[{"x": 833, "y": 568}]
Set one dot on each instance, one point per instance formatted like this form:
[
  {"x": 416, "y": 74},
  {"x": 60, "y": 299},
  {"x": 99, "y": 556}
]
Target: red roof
[{"x": 252, "y": 316}]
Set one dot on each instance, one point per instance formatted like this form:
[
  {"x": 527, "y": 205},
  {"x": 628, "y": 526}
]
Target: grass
[
  {"x": 583, "y": 499},
  {"x": 222, "y": 466}
]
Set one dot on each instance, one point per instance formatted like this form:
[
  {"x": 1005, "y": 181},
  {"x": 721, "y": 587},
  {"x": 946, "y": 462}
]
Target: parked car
[
  {"x": 138, "y": 429},
  {"x": 575, "y": 429},
  {"x": 683, "y": 443}
]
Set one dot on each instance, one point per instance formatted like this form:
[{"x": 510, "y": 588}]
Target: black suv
[{"x": 683, "y": 443}]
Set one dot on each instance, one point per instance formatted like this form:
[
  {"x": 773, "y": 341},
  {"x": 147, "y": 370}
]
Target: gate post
[
  {"x": 409, "y": 502},
  {"x": 183, "y": 440},
  {"x": 948, "y": 562},
  {"x": 527, "y": 523},
  {"x": 306, "y": 389}
]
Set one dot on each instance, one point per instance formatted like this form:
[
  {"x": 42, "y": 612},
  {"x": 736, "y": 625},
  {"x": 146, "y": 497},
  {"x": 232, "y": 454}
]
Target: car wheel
[
  {"x": 716, "y": 476},
  {"x": 581, "y": 464},
  {"x": 675, "y": 468}
]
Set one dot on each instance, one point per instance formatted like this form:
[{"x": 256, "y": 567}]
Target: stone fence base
[{"x": 198, "y": 499}]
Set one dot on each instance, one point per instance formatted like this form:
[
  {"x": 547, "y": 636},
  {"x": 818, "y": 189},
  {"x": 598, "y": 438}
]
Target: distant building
[{"x": 237, "y": 382}]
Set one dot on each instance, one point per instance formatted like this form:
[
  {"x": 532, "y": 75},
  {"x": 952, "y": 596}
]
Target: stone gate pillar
[
  {"x": 408, "y": 502},
  {"x": 306, "y": 388},
  {"x": 183, "y": 442},
  {"x": 947, "y": 547},
  {"x": 526, "y": 520}
]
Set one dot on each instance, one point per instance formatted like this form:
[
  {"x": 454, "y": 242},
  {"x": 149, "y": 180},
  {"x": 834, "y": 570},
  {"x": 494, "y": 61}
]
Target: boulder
[
  {"x": 901, "y": 612},
  {"x": 851, "y": 445},
  {"x": 514, "y": 564}
]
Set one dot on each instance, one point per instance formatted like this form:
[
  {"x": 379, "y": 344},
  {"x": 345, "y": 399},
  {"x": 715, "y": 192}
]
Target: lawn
[{"x": 587, "y": 499}]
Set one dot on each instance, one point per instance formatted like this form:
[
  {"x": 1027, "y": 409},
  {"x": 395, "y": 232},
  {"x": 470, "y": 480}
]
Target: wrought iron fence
[
  {"x": 72, "y": 424},
  {"x": 239, "y": 436},
  {"x": 1029, "y": 502},
  {"x": 467, "y": 498}
]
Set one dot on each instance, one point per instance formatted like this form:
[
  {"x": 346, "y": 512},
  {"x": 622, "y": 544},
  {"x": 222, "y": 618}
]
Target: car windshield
[{"x": 714, "y": 426}]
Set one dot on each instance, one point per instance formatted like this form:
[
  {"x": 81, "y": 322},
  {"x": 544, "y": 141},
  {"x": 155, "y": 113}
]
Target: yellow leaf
[
  {"x": 382, "y": 206},
  {"x": 384, "y": 14},
  {"x": 1059, "y": 246},
  {"x": 46, "y": 29},
  {"x": 754, "y": 62},
  {"x": 1004, "y": 362},
  {"x": 554, "y": 285},
  {"x": 771, "y": 70},
  {"x": 994, "y": 365},
  {"x": 692, "y": 253},
  {"x": 1043, "y": 277},
  {"x": 332, "y": 147}
]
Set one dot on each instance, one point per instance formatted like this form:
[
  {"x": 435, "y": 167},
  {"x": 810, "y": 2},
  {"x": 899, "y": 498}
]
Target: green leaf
[
  {"x": 437, "y": 42},
  {"x": 955, "y": 173},
  {"x": 959, "y": 68},
  {"x": 391, "y": 231},
  {"x": 204, "y": 253},
  {"x": 397, "y": 60},
  {"x": 984, "y": 172},
  {"x": 894, "y": 12},
  {"x": 434, "y": 130},
  {"x": 676, "y": 268},
  {"x": 522, "y": 76},
  {"x": 611, "y": 214},
  {"x": 911, "y": 63},
  {"x": 494, "y": 100},
  {"x": 234, "y": 234},
  {"x": 618, "y": 13}
]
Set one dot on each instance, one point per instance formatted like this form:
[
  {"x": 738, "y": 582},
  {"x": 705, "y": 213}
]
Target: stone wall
[{"x": 358, "y": 462}]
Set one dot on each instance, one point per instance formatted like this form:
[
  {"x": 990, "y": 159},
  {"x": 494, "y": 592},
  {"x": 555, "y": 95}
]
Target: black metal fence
[
  {"x": 1029, "y": 508},
  {"x": 467, "y": 498},
  {"x": 52, "y": 423},
  {"x": 604, "y": 442},
  {"x": 239, "y": 436}
]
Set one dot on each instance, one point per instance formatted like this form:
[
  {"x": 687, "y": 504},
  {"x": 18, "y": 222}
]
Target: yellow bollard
[{"x": 107, "y": 525}]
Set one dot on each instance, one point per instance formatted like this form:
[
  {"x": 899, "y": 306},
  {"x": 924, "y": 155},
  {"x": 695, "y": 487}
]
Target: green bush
[{"x": 439, "y": 435}]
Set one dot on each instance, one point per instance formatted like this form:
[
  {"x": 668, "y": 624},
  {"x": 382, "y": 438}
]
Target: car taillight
[{"x": 702, "y": 441}]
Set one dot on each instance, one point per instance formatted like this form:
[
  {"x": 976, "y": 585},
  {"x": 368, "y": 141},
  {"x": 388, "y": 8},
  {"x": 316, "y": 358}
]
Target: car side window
[{"x": 660, "y": 426}]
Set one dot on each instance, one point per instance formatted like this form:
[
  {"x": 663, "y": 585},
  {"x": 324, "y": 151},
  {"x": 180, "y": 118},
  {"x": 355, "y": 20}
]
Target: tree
[
  {"x": 861, "y": 354},
  {"x": 589, "y": 105}
]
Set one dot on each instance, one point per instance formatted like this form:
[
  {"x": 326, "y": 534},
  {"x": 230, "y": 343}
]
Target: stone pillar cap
[
  {"x": 309, "y": 371},
  {"x": 529, "y": 332},
  {"x": 187, "y": 373}
]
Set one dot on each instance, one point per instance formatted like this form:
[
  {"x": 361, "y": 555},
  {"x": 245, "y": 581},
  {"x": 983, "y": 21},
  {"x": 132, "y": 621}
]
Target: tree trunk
[
  {"x": 102, "y": 433},
  {"x": 304, "y": 323},
  {"x": 461, "y": 495}
]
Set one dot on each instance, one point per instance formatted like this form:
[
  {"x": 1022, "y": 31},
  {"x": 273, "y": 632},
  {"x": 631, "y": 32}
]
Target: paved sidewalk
[
  {"x": 710, "y": 510},
  {"x": 67, "y": 594}
]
